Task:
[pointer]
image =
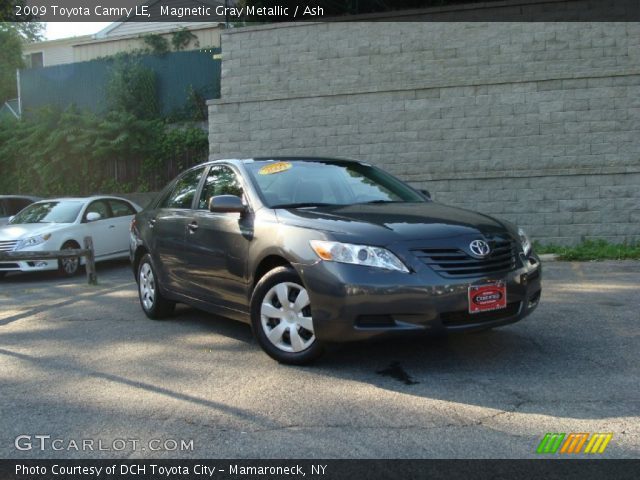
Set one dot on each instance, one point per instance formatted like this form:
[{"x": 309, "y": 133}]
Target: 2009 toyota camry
[{"x": 314, "y": 250}]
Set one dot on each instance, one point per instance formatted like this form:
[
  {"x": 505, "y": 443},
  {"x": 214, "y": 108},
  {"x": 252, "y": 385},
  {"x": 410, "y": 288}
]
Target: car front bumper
[
  {"x": 352, "y": 302},
  {"x": 30, "y": 265}
]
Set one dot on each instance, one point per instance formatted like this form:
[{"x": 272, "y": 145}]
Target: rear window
[{"x": 120, "y": 208}]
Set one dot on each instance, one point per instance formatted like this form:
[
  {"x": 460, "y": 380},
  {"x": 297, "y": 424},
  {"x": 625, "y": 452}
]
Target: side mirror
[
  {"x": 93, "y": 216},
  {"x": 426, "y": 193},
  {"x": 226, "y": 204}
]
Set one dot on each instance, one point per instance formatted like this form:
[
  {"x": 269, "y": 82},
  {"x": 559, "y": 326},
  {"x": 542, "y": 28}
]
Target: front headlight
[
  {"x": 524, "y": 241},
  {"x": 33, "y": 241},
  {"x": 357, "y": 255}
]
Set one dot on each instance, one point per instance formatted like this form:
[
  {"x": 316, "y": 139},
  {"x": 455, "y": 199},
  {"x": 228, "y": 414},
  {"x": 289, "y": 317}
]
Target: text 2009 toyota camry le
[{"x": 313, "y": 250}]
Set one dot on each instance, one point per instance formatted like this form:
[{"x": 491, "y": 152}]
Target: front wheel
[
  {"x": 69, "y": 266},
  {"x": 153, "y": 303},
  {"x": 281, "y": 318}
]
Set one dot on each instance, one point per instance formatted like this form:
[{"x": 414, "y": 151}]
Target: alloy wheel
[{"x": 70, "y": 265}]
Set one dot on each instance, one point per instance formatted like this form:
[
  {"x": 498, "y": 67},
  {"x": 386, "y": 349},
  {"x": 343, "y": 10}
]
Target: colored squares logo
[{"x": 574, "y": 443}]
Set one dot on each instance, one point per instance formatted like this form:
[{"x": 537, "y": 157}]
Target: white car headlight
[
  {"x": 32, "y": 241},
  {"x": 357, "y": 255},
  {"x": 524, "y": 241}
]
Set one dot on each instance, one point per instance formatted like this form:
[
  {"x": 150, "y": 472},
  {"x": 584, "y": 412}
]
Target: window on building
[{"x": 34, "y": 60}]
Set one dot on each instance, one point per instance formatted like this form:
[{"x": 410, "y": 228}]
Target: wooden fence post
[{"x": 90, "y": 265}]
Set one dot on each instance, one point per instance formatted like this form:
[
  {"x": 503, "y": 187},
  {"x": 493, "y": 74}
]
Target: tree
[
  {"x": 13, "y": 33},
  {"x": 25, "y": 25},
  {"x": 10, "y": 60}
]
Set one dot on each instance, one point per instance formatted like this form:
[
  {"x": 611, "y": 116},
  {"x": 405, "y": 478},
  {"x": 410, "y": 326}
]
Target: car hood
[
  {"x": 392, "y": 222},
  {"x": 25, "y": 230}
]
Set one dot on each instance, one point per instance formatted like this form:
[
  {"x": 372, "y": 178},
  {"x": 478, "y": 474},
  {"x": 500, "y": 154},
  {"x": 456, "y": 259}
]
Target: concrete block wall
[{"x": 537, "y": 123}]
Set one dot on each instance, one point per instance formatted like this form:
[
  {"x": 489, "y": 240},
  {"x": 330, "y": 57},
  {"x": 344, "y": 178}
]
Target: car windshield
[
  {"x": 49, "y": 212},
  {"x": 309, "y": 183}
]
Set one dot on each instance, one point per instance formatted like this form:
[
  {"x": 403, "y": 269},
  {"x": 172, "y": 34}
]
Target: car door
[
  {"x": 217, "y": 244},
  {"x": 168, "y": 223},
  {"x": 121, "y": 214},
  {"x": 100, "y": 230}
]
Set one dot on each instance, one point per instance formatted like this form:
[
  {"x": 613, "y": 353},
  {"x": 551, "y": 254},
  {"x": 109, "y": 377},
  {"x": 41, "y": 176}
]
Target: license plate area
[{"x": 487, "y": 297}]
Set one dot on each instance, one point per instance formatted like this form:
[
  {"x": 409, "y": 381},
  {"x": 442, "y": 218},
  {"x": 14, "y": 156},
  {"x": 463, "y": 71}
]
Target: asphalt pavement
[{"x": 82, "y": 366}]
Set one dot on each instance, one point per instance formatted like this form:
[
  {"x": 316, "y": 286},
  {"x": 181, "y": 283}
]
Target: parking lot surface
[{"x": 81, "y": 363}]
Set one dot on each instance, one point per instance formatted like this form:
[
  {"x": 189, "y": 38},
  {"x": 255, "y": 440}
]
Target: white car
[{"x": 63, "y": 223}]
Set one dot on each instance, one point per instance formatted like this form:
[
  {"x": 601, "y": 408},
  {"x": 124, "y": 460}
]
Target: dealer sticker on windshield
[
  {"x": 274, "y": 168},
  {"x": 487, "y": 297}
]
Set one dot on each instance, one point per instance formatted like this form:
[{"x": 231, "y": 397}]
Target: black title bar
[
  {"x": 318, "y": 469},
  {"x": 235, "y": 13}
]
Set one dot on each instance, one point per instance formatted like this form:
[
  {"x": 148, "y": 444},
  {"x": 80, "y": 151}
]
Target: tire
[
  {"x": 69, "y": 267},
  {"x": 2, "y": 274},
  {"x": 153, "y": 303},
  {"x": 274, "y": 333}
]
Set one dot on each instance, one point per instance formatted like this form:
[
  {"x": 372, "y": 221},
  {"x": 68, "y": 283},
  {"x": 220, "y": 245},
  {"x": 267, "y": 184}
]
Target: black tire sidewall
[{"x": 273, "y": 277}]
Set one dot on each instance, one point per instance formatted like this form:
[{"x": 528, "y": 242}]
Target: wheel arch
[
  {"x": 265, "y": 265},
  {"x": 70, "y": 240},
  {"x": 140, "y": 252}
]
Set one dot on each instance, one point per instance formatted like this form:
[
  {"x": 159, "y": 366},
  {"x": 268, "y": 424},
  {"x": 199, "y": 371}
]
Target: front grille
[
  {"x": 7, "y": 245},
  {"x": 453, "y": 262},
  {"x": 451, "y": 319},
  {"x": 9, "y": 265}
]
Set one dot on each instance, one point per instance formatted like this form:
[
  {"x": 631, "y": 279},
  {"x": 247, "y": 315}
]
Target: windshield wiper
[
  {"x": 303, "y": 205},
  {"x": 381, "y": 201}
]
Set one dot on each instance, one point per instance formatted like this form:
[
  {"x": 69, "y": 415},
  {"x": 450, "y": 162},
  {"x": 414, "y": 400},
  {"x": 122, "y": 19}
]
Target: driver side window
[
  {"x": 221, "y": 180},
  {"x": 184, "y": 190}
]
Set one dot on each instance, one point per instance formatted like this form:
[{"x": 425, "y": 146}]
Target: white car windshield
[{"x": 49, "y": 212}]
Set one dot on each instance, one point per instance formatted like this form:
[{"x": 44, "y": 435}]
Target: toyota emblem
[{"x": 479, "y": 248}]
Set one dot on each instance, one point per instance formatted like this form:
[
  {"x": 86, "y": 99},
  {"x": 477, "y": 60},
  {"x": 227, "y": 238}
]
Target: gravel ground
[{"x": 83, "y": 363}]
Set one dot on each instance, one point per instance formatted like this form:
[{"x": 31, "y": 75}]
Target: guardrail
[{"x": 87, "y": 252}]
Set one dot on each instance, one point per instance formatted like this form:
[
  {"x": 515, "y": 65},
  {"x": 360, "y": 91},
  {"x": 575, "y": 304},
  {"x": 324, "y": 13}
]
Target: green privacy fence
[{"x": 84, "y": 84}]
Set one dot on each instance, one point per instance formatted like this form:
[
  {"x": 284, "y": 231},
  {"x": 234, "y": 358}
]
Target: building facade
[{"x": 536, "y": 123}]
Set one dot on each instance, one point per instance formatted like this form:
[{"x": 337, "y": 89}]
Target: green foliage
[
  {"x": 194, "y": 110},
  {"x": 12, "y": 35},
  {"x": 54, "y": 152},
  {"x": 70, "y": 152},
  {"x": 10, "y": 60},
  {"x": 182, "y": 38},
  {"x": 593, "y": 250},
  {"x": 156, "y": 44},
  {"x": 132, "y": 89}
]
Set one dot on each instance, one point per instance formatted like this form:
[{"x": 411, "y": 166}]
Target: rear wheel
[
  {"x": 282, "y": 320},
  {"x": 69, "y": 266},
  {"x": 153, "y": 303}
]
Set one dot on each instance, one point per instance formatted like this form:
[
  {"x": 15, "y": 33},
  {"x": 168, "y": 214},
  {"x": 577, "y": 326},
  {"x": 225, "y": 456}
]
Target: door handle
[
  {"x": 192, "y": 227},
  {"x": 112, "y": 226},
  {"x": 152, "y": 223}
]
